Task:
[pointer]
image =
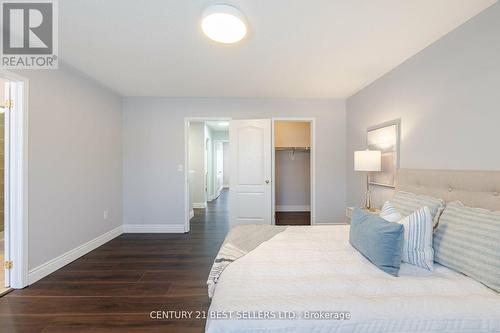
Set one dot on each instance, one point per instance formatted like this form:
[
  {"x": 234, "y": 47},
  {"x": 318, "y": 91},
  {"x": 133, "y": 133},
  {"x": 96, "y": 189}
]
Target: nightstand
[{"x": 349, "y": 210}]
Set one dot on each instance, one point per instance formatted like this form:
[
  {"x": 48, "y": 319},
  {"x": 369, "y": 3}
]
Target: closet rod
[{"x": 292, "y": 148}]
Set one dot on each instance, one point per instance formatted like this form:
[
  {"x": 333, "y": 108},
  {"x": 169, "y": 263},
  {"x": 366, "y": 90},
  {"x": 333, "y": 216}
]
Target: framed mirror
[{"x": 386, "y": 138}]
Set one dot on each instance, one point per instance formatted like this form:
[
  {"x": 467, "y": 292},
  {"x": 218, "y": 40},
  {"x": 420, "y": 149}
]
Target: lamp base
[{"x": 368, "y": 203}]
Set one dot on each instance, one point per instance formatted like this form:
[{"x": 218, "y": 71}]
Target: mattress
[{"x": 310, "y": 279}]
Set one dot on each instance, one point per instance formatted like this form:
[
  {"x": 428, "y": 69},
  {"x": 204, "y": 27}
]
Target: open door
[
  {"x": 250, "y": 171},
  {"x": 5, "y": 183}
]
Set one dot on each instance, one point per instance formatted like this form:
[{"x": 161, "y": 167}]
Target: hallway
[
  {"x": 115, "y": 287},
  {"x": 216, "y": 214}
]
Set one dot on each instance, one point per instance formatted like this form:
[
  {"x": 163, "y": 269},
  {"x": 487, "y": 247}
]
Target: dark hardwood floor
[
  {"x": 115, "y": 287},
  {"x": 293, "y": 218}
]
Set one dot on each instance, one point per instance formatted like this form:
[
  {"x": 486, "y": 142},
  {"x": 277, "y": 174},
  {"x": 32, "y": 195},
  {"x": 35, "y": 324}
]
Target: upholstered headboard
[{"x": 473, "y": 188}]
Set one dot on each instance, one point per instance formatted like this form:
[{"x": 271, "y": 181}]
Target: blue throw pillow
[{"x": 378, "y": 240}]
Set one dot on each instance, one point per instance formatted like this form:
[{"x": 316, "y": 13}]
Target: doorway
[
  {"x": 4, "y": 106},
  {"x": 206, "y": 160},
  {"x": 13, "y": 181},
  {"x": 253, "y": 196},
  {"x": 293, "y": 171}
]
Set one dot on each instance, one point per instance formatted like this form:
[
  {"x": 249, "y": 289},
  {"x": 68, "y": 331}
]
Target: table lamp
[{"x": 366, "y": 161}]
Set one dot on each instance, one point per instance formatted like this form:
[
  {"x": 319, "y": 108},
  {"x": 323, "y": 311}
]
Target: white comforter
[{"x": 315, "y": 269}]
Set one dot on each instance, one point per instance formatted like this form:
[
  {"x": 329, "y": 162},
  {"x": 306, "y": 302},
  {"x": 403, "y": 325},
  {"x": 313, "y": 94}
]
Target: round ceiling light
[{"x": 224, "y": 24}]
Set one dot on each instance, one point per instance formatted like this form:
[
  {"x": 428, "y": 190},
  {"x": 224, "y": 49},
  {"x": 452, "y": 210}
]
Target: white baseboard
[
  {"x": 191, "y": 214},
  {"x": 153, "y": 228},
  {"x": 292, "y": 208},
  {"x": 331, "y": 222},
  {"x": 53, "y": 265},
  {"x": 199, "y": 205}
]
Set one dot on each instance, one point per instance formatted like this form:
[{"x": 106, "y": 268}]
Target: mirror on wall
[{"x": 386, "y": 138}]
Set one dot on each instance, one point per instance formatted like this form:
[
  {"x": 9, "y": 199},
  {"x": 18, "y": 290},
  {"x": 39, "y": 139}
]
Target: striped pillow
[
  {"x": 407, "y": 203},
  {"x": 468, "y": 240},
  {"x": 417, "y": 245}
]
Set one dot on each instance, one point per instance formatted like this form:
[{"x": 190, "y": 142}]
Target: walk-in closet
[{"x": 292, "y": 162}]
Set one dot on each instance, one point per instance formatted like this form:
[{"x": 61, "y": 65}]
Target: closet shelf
[{"x": 292, "y": 148}]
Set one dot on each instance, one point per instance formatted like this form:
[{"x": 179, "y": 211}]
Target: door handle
[{"x": 267, "y": 181}]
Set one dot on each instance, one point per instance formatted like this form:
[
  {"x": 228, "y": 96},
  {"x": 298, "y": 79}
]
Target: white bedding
[{"x": 316, "y": 269}]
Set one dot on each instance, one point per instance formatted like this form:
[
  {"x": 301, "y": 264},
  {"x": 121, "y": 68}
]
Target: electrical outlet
[{"x": 105, "y": 214}]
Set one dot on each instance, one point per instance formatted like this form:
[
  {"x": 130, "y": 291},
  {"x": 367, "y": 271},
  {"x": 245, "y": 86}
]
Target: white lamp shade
[{"x": 367, "y": 160}]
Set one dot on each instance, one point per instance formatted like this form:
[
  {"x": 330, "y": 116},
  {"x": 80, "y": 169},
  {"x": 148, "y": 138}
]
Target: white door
[
  {"x": 8, "y": 88},
  {"x": 250, "y": 171}
]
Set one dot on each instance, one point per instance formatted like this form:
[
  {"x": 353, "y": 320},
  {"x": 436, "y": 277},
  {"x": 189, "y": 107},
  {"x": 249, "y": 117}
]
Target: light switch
[{"x": 180, "y": 167}]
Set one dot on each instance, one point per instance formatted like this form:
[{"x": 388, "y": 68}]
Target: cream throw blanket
[{"x": 240, "y": 241}]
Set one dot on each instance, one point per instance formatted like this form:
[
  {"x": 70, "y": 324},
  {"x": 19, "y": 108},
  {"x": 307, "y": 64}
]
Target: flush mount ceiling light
[{"x": 224, "y": 24}]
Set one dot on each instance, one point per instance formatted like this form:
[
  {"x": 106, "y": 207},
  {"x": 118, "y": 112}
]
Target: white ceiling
[{"x": 296, "y": 48}]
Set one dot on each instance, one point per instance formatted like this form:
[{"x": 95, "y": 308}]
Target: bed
[{"x": 310, "y": 279}]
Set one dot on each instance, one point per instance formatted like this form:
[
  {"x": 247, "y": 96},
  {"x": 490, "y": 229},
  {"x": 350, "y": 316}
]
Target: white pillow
[
  {"x": 389, "y": 213},
  {"x": 417, "y": 245}
]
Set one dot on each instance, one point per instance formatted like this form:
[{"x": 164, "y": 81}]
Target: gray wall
[
  {"x": 225, "y": 154},
  {"x": 209, "y": 154},
  {"x": 220, "y": 135},
  {"x": 197, "y": 162},
  {"x": 152, "y": 181},
  {"x": 293, "y": 186},
  {"x": 75, "y": 161},
  {"x": 448, "y": 99}
]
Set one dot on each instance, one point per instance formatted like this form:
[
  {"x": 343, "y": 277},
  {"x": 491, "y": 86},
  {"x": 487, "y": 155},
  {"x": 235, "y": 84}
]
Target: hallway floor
[{"x": 293, "y": 218}]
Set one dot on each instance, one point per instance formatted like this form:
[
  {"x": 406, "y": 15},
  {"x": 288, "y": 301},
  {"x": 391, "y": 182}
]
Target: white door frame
[
  {"x": 16, "y": 180},
  {"x": 187, "y": 120},
  {"x": 312, "y": 163}
]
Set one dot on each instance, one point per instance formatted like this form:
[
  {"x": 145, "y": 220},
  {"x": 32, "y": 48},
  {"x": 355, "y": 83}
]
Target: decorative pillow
[
  {"x": 417, "y": 247},
  {"x": 389, "y": 213},
  {"x": 378, "y": 240},
  {"x": 406, "y": 203},
  {"x": 468, "y": 240}
]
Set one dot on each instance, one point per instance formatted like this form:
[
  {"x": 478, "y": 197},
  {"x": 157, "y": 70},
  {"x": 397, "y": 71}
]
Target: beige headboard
[{"x": 473, "y": 188}]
